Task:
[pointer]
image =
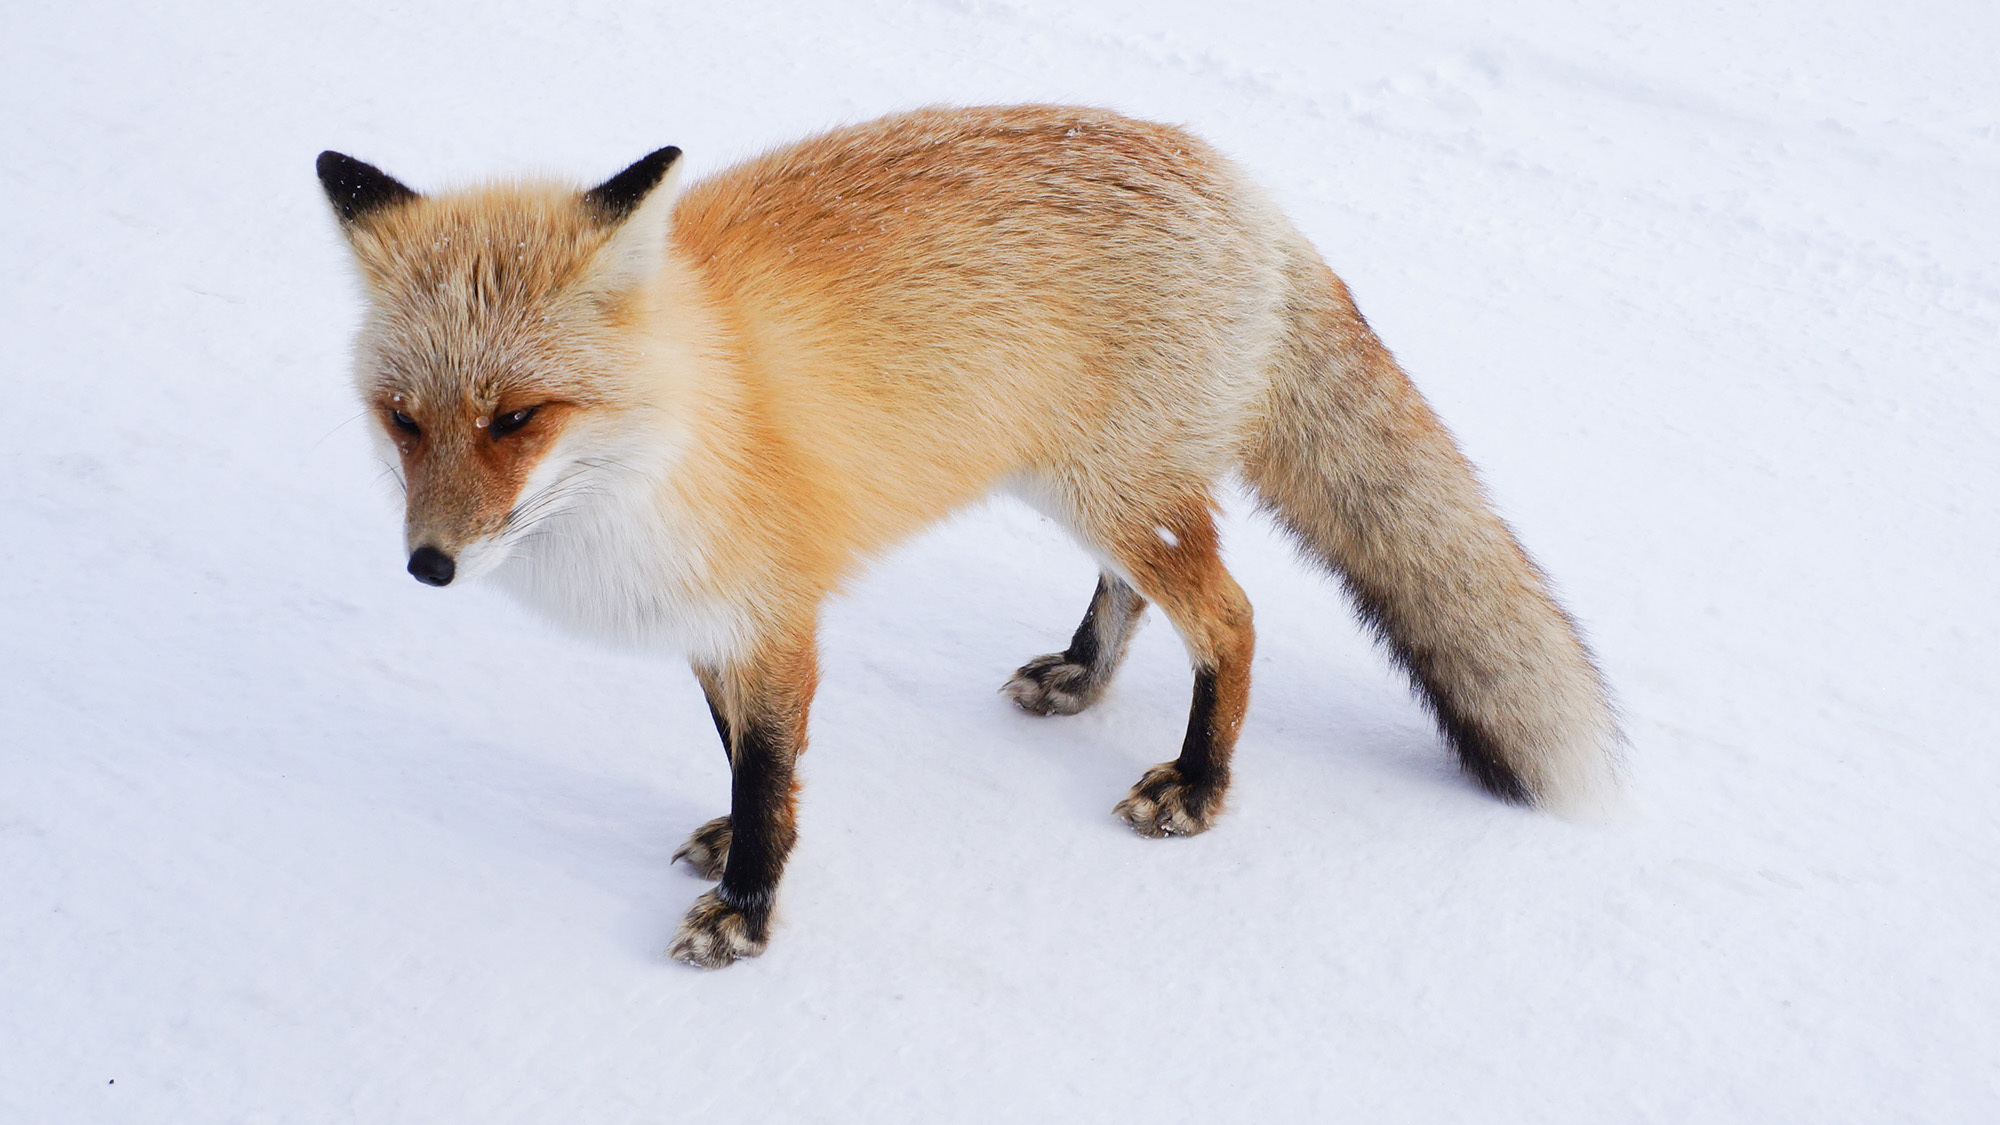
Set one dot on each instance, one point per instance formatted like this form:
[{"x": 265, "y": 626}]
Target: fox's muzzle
[{"x": 431, "y": 566}]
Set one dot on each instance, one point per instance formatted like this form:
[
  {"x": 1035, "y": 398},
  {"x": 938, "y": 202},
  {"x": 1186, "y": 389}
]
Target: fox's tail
[{"x": 1352, "y": 462}]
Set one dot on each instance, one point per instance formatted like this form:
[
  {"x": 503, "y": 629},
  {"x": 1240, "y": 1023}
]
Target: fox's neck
[{"x": 673, "y": 543}]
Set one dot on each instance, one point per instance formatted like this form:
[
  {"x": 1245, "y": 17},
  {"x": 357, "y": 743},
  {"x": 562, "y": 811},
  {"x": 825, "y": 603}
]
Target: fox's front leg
[
  {"x": 707, "y": 850},
  {"x": 760, "y": 708}
]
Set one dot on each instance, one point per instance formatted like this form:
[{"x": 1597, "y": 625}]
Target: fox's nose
[{"x": 431, "y": 566}]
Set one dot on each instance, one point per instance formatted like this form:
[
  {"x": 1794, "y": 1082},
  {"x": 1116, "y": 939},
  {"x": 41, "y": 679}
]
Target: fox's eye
[
  {"x": 504, "y": 424},
  {"x": 404, "y": 422}
]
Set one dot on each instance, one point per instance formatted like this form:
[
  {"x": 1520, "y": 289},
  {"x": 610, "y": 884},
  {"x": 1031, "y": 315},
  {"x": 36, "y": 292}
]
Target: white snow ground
[{"x": 1709, "y": 291}]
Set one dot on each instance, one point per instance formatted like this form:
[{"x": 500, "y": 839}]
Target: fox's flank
[{"x": 681, "y": 420}]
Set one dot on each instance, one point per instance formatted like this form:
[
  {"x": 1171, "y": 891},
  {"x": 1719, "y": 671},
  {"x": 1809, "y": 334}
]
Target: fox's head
[{"x": 493, "y": 345}]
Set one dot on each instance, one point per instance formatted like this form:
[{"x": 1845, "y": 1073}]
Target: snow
[{"x": 1709, "y": 291}]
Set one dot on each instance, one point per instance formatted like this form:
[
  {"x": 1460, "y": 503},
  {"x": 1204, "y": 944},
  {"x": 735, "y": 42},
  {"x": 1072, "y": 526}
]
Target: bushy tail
[{"x": 1353, "y": 463}]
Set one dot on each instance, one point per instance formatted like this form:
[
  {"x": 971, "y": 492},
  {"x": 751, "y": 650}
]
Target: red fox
[{"x": 683, "y": 420}]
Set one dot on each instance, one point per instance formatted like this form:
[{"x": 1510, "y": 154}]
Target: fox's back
[{"x": 958, "y": 294}]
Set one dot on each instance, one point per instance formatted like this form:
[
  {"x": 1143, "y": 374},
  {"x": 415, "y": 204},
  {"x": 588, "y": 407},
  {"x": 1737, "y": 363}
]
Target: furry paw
[
  {"x": 707, "y": 851},
  {"x": 1051, "y": 685},
  {"x": 715, "y": 934},
  {"x": 1163, "y": 804}
]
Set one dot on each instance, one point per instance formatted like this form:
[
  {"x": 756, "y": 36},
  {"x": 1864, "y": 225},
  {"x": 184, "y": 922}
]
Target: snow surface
[{"x": 1709, "y": 291}]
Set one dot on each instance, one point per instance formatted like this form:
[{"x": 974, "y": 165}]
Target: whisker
[
  {"x": 389, "y": 470},
  {"x": 565, "y": 487},
  {"x": 343, "y": 425}
]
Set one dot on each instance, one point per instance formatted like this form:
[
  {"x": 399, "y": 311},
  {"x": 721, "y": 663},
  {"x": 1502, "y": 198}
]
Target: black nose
[{"x": 431, "y": 566}]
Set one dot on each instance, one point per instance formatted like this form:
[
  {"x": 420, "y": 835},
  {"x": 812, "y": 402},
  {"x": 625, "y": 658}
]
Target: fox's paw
[
  {"x": 1052, "y": 685},
  {"x": 715, "y": 934},
  {"x": 707, "y": 851},
  {"x": 1164, "y": 804}
]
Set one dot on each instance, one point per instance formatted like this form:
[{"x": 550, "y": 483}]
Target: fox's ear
[
  {"x": 619, "y": 196},
  {"x": 357, "y": 190},
  {"x": 639, "y": 204}
]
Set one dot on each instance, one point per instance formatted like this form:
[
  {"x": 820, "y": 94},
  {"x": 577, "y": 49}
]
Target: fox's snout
[{"x": 431, "y": 566}]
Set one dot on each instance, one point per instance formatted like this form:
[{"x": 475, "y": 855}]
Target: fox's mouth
[
  {"x": 434, "y": 566},
  {"x": 440, "y": 557}
]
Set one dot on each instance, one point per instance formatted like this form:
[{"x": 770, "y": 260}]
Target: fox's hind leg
[
  {"x": 1174, "y": 560},
  {"x": 1063, "y": 683}
]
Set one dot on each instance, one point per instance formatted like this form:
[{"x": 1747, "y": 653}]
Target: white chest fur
[{"x": 615, "y": 558}]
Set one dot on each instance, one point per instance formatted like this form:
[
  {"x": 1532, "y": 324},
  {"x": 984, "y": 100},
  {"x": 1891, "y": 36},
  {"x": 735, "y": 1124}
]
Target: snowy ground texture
[{"x": 1709, "y": 291}]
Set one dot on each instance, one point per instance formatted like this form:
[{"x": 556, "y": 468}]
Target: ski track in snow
[{"x": 1710, "y": 295}]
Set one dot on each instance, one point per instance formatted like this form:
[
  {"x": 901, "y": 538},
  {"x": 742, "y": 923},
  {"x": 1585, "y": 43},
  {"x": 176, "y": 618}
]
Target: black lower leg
[
  {"x": 1084, "y": 645},
  {"x": 762, "y": 828},
  {"x": 1100, "y": 639},
  {"x": 1183, "y": 796},
  {"x": 707, "y": 850},
  {"x": 1204, "y": 760}
]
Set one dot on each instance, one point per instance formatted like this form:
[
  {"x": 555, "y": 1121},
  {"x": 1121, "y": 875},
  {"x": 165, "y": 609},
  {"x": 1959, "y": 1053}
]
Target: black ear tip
[
  {"x": 654, "y": 164},
  {"x": 335, "y": 168},
  {"x": 356, "y": 188},
  {"x": 618, "y": 196}
]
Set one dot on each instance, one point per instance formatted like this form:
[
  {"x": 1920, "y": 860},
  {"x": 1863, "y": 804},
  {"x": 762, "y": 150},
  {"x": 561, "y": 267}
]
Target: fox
[{"x": 679, "y": 421}]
